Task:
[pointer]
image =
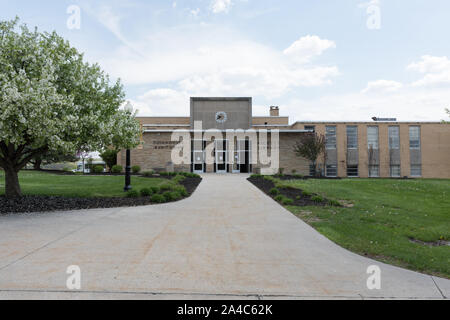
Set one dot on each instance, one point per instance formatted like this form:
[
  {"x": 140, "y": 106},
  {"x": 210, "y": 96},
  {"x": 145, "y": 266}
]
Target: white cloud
[
  {"x": 436, "y": 71},
  {"x": 162, "y": 102},
  {"x": 308, "y": 47},
  {"x": 195, "y": 12},
  {"x": 207, "y": 60},
  {"x": 382, "y": 86},
  {"x": 370, "y": 3},
  {"x": 221, "y": 6},
  {"x": 406, "y": 104}
]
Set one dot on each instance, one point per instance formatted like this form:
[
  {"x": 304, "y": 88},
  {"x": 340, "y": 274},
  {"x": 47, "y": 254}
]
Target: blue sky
[{"x": 317, "y": 60}]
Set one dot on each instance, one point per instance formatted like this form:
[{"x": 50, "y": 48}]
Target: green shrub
[
  {"x": 287, "y": 201},
  {"x": 146, "y": 192},
  {"x": 132, "y": 194},
  {"x": 334, "y": 203},
  {"x": 256, "y": 176},
  {"x": 317, "y": 198},
  {"x": 274, "y": 191},
  {"x": 298, "y": 176},
  {"x": 294, "y": 171},
  {"x": 168, "y": 196},
  {"x": 136, "y": 169},
  {"x": 280, "y": 171},
  {"x": 298, "y": 197},
  {"x": 306, "y": 193},
  {"x": 155, "y": 190},
  {"x": 98, "y": 169},
  {"x": 168, "y": 174},
  {"x": 116, "y": 169},
  {"x": 158, "y": 198},
  {"x": 148, "y": 173},
  {"x": 181, "y": 190},
  {"x": 176, "y": 195},
  {"x": 166, "y": 187},
  {"x": 279, "y": 198},
  {"x": 178, "y": 178},
  {"x": 109, "y": 156},
  {"x": 194, "y": 175}
]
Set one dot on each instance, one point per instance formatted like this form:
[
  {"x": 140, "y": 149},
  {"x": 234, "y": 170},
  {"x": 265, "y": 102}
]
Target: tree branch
[
  {"x": 4, "y": 149},
  {"x": 32, "y": 154},
  {"x": 2, "y": 162}
]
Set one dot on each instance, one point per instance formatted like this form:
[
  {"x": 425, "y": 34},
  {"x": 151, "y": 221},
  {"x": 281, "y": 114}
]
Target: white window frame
[
  {"x": 357, "y": 171},
  {"x": 399, "y": 171},
  {"x": 418, "y": 140},
  {"x": 371, "y": 175},
  {"x": 394, "y": 137},
  {"x": 356, "y": 137},
  {"x": 329, "y": 135},
  {"x": 370, "y": 139},
  {"x": 411, "y": 170},
  {"x": 331, "y": 175}
]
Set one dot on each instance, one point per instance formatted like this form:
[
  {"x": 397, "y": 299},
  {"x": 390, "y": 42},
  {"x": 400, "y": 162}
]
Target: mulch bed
[
  {"x": 28, "y": 204},
  {"x": 292, "y": 193},
  {"x": 191, "y": 184}
]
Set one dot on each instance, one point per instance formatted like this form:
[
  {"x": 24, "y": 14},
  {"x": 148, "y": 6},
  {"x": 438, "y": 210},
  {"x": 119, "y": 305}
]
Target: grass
[
  {"x": 84, "y": 186},
  {"x": 385, "y": 216}
]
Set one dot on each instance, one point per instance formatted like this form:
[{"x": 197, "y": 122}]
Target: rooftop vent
[{"x": 274, "y": 111}]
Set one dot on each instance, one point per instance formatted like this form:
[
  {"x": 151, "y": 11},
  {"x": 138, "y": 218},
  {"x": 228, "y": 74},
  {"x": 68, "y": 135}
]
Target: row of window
[
  {"x": 374, "y": 171},
  {"x": 372, "y": 137}
]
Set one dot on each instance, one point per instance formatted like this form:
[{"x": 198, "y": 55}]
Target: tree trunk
[
  {"x": 12, "y": 186},
  {"x": 37, "y": 164}
]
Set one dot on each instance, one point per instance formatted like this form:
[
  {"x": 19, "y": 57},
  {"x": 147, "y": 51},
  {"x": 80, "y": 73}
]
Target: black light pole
[
  {"x": 128, "y": 172},
  {"x": 127, "y": 187}
]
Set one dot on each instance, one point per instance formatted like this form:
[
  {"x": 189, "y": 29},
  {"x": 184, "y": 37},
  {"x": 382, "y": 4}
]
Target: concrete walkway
[{"x": 227, "y": 241}]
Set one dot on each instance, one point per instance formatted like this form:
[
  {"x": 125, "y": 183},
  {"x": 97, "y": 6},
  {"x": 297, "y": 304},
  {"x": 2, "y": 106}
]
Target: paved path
[{"x": 228, "y": 240}]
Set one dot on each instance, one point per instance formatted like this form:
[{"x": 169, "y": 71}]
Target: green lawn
[
  {"x": 385, "y": 216},
  {"x": 41, "y": 183}
]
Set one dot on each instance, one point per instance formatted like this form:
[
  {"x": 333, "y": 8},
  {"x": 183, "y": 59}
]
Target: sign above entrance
[{"x": 222, "y": 113}]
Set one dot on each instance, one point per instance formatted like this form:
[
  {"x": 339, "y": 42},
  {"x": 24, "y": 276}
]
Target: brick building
[{"x": 353, "y": 149}]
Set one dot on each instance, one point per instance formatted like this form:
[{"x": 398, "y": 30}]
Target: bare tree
[{"x": 310, "y": 146}]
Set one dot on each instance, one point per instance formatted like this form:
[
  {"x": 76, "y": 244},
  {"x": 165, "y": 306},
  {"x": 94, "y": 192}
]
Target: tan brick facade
[{"x": 432, "y": 159}]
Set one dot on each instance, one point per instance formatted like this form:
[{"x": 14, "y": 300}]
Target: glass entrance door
[
  {"x": 198, "y": 155},
  {"x": 236, "y": 158},
  {"x": 221, "y": 156}
]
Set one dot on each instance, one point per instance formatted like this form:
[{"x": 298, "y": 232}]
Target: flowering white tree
[{"x": 50, "y": 99}]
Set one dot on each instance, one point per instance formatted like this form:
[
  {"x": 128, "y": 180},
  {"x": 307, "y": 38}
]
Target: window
[
  {"x": 372, "y": 137},
  {"x": 416, "y": 170},
  {"x": 311, "y": 128},
  {"x": 395, "y": 171},
  {"x": 414, "y": 137},
  {"x": 352, "y": 137},
  {"x": 312, "y": 170},
  {"x": 330, "y": 137},
  {"x": 352, "y": 171},
  {"x": 331, "y": 171},
  {"x": 394, "y": 137},
  {"x": 374, "y": 171}
]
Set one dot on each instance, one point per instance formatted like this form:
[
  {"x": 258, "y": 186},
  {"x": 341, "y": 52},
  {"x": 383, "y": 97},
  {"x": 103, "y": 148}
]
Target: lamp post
[{"x": 128, "y": 108}]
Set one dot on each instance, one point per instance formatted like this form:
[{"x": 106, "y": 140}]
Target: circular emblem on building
[{"x": 221, "y": 117}]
